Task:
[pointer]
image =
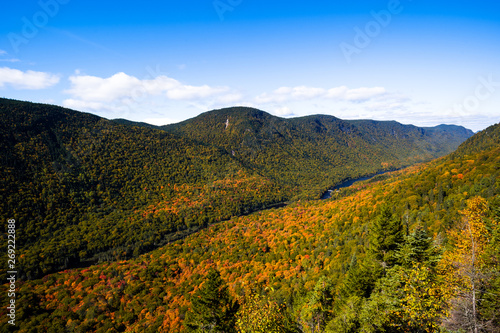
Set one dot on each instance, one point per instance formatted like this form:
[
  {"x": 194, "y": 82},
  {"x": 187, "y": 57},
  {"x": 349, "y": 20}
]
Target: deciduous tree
[{"x": 468, "y": 267}]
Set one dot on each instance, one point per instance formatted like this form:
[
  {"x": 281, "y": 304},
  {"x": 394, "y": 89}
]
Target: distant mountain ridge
[{"x": 315, "y": 152}]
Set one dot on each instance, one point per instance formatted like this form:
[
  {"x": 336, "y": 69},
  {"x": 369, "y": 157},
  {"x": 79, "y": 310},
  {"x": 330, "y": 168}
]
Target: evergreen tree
[
  {"x": 387, "y": 235},
  {"x": 317, "y": 308},
  {"x": 347, "y": 317},
  {"x": 213, "y": 309},
  {"x": 418, "y": 248},
  {"x": 360, "y": 279},
  {"x": 408, "y": 292}
]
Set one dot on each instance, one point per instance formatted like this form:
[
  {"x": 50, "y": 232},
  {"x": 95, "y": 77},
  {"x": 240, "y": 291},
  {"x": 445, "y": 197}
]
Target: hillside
[
  {"x": 83, "y": 188},
  {"x": 320, "y": 260},
  {"x": 487, "y": 139},
  {"x": 314, "y": 153}
]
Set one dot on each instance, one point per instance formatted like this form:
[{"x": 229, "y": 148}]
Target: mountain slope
[
  {"x": 287, "y": 255},
  {"x": 314, "y": 153},
  {"x": 486, "y": 139},
  {"x": 84, "y": 188}
]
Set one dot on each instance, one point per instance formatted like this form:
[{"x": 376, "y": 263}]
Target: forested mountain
[
  {"x": 489, "y": 138},
  {"x": 84, "y": 188},
  {"x": 412, "y": 251},
  {"x": 314, "y": 152}
]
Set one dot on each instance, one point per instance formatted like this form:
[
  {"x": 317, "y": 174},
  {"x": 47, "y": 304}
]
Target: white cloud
[
  {"x": 160, "y": 121},
  {"x": 337, "y": 92},
  {"x": 283, "y": 112},
  {"x": 343, "y": 102},
  {"x": 26, "y": 80},
  {"x": 2, "y": 52},
  {"x": 83, "y": 105},
  {"x": 93, "y": 89},
  {"x": 193, "y": 92},
  {"x": 92, "y": 92},
  {"x": 285, "y": 94},
  {"x": 361, "y": 94},
  {"x": 268, "y": 98},
  {"x": 230, "y": 98}
]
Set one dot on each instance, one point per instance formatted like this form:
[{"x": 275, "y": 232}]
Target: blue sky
[{"x": 417, "y": 62}]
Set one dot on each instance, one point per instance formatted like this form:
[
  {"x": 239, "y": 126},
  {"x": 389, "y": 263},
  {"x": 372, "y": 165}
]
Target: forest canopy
[{"x": 414, "y": 250}]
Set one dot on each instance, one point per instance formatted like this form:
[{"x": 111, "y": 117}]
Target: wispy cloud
[
  {"x": 10, "y": 60},
  {"x": 92, "y": 44},
  {"x": 286, "y": 94},
  {"x": 4, "y": 53},
  {"x": 358, "y": 94},
  {"x": 344, "y": 102},
  {"x": 29, "y": 80}
]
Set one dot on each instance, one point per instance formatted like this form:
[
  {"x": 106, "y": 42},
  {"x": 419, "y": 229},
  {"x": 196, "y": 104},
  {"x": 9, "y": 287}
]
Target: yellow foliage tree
[
  {"x": 465, "y": 265},
  {"x": 261, "y": 315}
]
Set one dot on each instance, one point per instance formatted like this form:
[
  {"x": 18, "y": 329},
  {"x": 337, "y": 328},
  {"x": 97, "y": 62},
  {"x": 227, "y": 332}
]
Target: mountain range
[
  {"x": 315, "y": 152},
  {"x": 84, "y": 188}
]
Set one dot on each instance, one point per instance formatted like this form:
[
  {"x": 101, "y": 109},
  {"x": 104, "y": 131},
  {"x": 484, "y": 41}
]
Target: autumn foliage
[{"x": 415, "y": 250}]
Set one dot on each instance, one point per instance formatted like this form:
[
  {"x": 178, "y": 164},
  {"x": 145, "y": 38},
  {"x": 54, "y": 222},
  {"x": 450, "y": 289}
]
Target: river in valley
[{"x": 349, "y": 182}]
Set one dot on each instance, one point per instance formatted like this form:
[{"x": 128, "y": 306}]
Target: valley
[{"x": 163, "y": 213}]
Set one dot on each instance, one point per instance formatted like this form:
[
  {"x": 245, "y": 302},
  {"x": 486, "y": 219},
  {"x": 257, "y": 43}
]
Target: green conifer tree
[
  {"x": 213, "y": 309},
  {"x": 316, "y": 310},
  {"x": 386, "y": 236},
  {"x": 418, "y": 248}
]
